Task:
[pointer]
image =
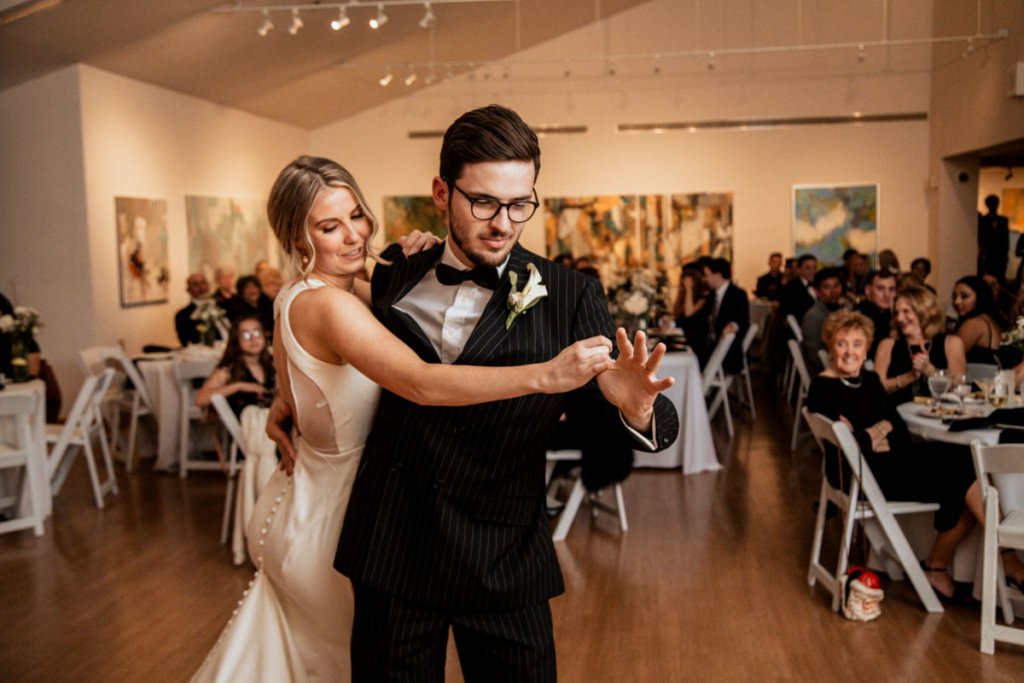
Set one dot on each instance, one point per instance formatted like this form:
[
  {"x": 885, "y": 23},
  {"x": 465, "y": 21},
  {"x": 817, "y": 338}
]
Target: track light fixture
[
  {"x": 380, "y": 19},
  {"x": 385, "y": 81},
  {"x": 342, "y": 21},
  {"x": 411, "y": 78},
  {"x": 711, "y": 61},
  {"x": 429, "y": 20},
  {"x": 266, "y": 26},
  {"x": 296, "y": 22},
  {"x": 860, "y": 52}
]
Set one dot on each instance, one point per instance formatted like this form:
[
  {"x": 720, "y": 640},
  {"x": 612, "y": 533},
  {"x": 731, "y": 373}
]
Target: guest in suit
[
  {"x": 877, "y": 306},
  {"x": 993, "y": 241},
  {"x": 922, "y": 268},
  {"x": 828, "y": 284},
  {"x": 798, "y": 294},
  {"x": 728, "y": 309},
  {"x": 446, "y": 527},
  {"x": 769, "y": 285},
  {"x": 198, "y": 289}
]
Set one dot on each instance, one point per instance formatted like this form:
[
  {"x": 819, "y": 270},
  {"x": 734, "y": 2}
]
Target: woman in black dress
[
  {"x": 979, "y": 325},
  {"x": 917, "y": 347},
  {"x": 689, "y": 312},
  {"x": 932, "y": 472},
  {"x": 245, "y": 374}
]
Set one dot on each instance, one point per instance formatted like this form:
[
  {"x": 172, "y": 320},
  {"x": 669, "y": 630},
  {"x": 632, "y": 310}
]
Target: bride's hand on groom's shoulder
[
  {"x": 279, "y": 424},
  {"x": 417, "y": 241}
]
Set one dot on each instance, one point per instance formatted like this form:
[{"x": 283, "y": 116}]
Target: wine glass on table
[
  {"x": 961, "y": 388},
  {"x": 938, "y": 384}
]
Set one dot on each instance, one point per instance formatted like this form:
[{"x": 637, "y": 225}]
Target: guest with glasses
[{"x": 245, "y": 374}]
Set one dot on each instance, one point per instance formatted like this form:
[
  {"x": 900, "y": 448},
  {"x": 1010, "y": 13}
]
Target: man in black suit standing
[
  {"x": 198, "y": 289},
  {"x": 728, "y": 310},
  {"x": 769, "y": 285},
  {"x": 993, "y": 240},
  {"x": 797, "y": 295},
  {"x": 446, "y": 525}
]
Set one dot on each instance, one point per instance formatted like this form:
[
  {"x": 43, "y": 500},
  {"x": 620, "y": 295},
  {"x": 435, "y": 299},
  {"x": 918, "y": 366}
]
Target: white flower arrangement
[
  {"x": 531, "y": 294},
  {"x": 25, "y": 321},
  {"x": 209, "y": 314},
  {"x": 638, "y": 294},
  {"x": 1014, "y": 336}
]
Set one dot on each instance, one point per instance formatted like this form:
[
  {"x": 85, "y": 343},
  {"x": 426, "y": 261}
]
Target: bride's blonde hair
[{"x": 291, "y": 199}]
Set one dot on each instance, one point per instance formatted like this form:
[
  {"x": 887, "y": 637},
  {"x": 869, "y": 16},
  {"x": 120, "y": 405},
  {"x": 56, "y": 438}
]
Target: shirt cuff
[{"x": 649, "y": 441}]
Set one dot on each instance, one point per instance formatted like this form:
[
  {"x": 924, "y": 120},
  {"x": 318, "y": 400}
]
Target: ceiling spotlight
[
  {"x": 505, "y": 73},
  {"x": 657, "y": 65},
  {"x": 860, "y": 52},
  {"x": 380, "y": 19},
  {"x": 428, "y": 20},
  {"x": 711, "y": 61},
  {"x": 411, "y": 78},
  {"x": 386, "y": 80},
  {"x": 266, "y": 26},
  {"x": 342, "y": 21},
  {"x": 568, "y": 71},
  {"x": 611, "y": 67},
  {"x": 296, "y": 22}
]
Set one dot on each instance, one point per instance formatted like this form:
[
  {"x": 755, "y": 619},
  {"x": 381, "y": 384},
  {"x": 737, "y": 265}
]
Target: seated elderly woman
[
  {"x": 979, "y": 325},
  {"x": 917, "y": 346},
  {"x": 245, "y": 374},
  {"x": 933, "y": 472}
]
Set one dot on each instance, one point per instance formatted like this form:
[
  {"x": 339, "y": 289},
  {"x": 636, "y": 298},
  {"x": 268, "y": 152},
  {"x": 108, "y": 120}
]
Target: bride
[{"x": 332, "y": 356}]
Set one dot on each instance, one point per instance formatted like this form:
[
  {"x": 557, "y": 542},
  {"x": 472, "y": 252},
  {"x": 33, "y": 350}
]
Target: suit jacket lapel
[
  {"x": 490, "y": 329},
  {"x": 407, "y": 273}
]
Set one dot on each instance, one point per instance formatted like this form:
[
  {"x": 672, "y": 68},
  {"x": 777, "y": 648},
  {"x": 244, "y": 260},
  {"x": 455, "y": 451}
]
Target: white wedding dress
[{"x": 294, "y": 622}]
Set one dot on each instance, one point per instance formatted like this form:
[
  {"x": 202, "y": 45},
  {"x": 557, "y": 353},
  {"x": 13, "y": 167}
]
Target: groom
[{"x": 446, "y": 525}]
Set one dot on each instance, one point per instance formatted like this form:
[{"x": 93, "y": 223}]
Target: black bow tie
[{"x": 485, "y": 276}]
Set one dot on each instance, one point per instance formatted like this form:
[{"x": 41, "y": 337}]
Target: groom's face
[{"x": 478, "y": 242}]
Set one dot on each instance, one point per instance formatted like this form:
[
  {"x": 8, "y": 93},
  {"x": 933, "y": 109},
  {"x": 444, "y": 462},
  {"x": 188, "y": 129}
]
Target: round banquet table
[{"x": 693, "y": 449}]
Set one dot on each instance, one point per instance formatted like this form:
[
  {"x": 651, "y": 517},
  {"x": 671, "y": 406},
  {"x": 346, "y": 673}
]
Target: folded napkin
[{"x": 1012, "y": 418}]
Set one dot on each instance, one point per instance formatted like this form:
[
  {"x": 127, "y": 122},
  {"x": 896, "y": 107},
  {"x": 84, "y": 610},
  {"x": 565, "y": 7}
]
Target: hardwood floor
[{"x": 709, "y": 584}]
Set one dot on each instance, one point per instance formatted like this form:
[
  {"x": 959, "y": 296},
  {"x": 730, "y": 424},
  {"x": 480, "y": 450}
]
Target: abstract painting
[
  {"x": 231, "y": 232},
  {"x": 610, "y": 230},
  {"x": 1013, "y": 207},
  {"x": 142, "y": 254},
  {"x": 829, "y": 219},
  {"x": 403, "y": 214},
  {"x": 700, "y": 225}
]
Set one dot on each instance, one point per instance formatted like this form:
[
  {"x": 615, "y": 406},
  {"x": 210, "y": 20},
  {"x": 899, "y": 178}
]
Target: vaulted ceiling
[{"x": 309, "y": 79}]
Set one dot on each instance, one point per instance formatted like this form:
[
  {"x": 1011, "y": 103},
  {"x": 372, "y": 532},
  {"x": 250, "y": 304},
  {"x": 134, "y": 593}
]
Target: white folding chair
[
  {"x": 134, "y": 401},
  {"x": 804, "y": 378},
  {"x": 17, "y": 453},
  {"x": 84, "y": 424},
  {"x": 234, "y": 430},
  {"x": 576, "y": 495},
  {"x": 791, "y": 370},
  {"x": 746, "y": 389},
  {"x": 186, "y": 370},
  {"x": 716, "y": 382},
  {"x": 1005, "y": 533},
  {"x": 874, "y": 512}
]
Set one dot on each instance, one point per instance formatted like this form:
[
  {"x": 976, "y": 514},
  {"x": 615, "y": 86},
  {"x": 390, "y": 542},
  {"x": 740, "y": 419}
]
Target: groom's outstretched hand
[
  {"x": 631, "y": 384},
  {"x": 279, "y": 425}
]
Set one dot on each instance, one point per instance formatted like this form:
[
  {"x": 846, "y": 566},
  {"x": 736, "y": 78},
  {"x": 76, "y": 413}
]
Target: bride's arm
[{"x": 336, "y": 327}]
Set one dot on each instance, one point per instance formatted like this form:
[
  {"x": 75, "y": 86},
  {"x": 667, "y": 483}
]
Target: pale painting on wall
[
  {"x": 403, "y": 214},
  {"x": 229, "y": 232},
  {"x": 610, "y": 230},
  {"x": 142, "y": 254},
  {"x": 829, "y": 219}
]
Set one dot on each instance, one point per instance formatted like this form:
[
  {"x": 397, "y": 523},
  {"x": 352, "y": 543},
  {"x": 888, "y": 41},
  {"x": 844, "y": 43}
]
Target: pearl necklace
[{"x": 850, "y": 384}]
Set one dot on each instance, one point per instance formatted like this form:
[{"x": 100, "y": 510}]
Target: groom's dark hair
[{"x": 491, "y": 133}]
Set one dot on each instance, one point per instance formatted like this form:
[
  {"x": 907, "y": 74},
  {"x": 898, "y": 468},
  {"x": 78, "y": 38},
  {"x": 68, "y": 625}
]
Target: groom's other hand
[
  {"x": 631, "y": 384},
  {"x": 279, "y": 426}
]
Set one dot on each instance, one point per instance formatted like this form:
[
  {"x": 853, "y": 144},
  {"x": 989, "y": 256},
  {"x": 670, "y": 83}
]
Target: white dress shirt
[{"x": 447, "y": 314}]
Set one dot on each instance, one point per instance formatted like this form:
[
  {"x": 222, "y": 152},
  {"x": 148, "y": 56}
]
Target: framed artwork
[
  {"x": 829, "y": 219},
  {"x": 142, "y": 255},
  {"x": 403, "y": 214},
  {"x": 1012, "y": 207},
  {"x": 229, "y": 232},
  {"x": 700, "y": 224},
  {"x": 610, "y": 230}
]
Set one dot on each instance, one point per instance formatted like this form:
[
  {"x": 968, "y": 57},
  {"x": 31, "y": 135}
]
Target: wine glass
[
  {"x": 961, "y": 387},
  {"x": 938, "y": 384}
]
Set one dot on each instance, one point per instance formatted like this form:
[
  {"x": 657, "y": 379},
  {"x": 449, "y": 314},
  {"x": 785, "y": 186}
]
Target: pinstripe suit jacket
[{"x": 447, "y": 508}]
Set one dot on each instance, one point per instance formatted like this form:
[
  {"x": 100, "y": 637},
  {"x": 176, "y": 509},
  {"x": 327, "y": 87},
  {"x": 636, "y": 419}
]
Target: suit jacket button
[{"x": 664, "y": 440}]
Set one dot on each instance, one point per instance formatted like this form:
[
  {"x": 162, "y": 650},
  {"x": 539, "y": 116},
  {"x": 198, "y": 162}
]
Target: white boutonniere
[{"x": 520, "y": 302}]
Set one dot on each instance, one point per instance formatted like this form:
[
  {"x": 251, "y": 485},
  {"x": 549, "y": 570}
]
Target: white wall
[
  {"x": 44, "y": 246},
  {"x": 758, "y": 166}
]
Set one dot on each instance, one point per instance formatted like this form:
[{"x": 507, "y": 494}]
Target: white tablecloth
[
  {"x": 38, "y": 427},
  {"x": 157, "y": 371},
  {"x": 967, "y": 561},
  {"x": 693, "y": 449}
]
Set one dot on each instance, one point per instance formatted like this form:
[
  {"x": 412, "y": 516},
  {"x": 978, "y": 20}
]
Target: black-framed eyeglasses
[{"x": 486, "y": 208}]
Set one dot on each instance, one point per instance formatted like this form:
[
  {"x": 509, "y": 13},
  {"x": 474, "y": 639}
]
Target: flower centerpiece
[
  {"x": 20, "y": 329},
  {"x": 1014, "y": 336},
  {"x": 637, "y": 298},
  {"x": 209, "y": 314}
]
